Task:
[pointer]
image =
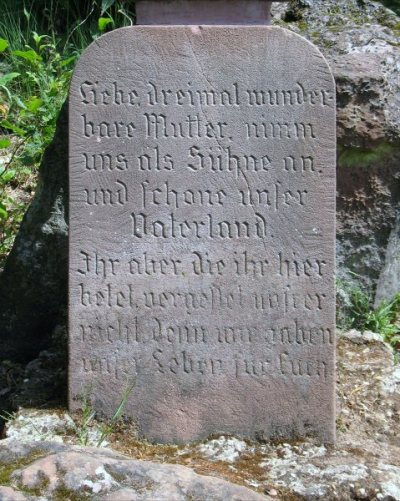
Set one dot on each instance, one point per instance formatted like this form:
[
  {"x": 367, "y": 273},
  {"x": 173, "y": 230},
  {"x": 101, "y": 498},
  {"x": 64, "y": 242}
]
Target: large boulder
[
  {"x": 33, "y": 285},
  {"x": 389, "y": 279},
  {"x": 360, "y": 38},
  {"x": 71, "y": 472}
]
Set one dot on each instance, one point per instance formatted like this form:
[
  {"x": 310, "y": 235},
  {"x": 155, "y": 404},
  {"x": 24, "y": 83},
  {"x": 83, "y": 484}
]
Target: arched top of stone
[{"x": 178, "y": 44}]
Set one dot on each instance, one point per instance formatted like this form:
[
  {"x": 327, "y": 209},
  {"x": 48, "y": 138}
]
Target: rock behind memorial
[
  {"x": 33, "y": 285},
  {"x": 202, "y": 231},
  {"x": 360, "y": 42}
]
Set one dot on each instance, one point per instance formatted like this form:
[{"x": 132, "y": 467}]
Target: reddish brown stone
[
  {"x": 203, "y": 12},
  {"x": 202, "y": 223}
]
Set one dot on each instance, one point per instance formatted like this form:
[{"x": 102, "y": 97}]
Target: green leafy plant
[
  {"x": 7, "y": 416},
  {"x": 107, "y": 428},
  {"x": 32, "y": 89},
  {"x": 355, "y": 311},
  {"x": 88, "y": 414},
  {"x": 39, "y": 44},
  {"x": 33, "y": 92},
  {"x": 72, "y": 23},
  {"x": 385, "y": 319},
  {"x": 88, "y": 421}
]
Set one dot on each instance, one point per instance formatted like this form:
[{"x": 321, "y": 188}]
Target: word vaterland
[{"x": 202, "y": 220}]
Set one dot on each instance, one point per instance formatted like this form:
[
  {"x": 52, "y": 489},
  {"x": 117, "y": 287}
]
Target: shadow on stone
[{"x": 33, "y": 285}]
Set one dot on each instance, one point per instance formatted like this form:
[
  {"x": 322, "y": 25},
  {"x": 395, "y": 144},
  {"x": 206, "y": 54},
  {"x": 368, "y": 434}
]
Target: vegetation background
[{"x": 40, "y": 42}]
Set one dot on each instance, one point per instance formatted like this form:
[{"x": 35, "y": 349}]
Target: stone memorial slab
[{"x": 202, "y": 227}]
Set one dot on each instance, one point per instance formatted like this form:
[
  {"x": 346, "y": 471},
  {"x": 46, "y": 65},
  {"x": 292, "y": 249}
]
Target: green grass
[
  {"x": 70, "y": 23},
  {"x": 87, "y": 418}
]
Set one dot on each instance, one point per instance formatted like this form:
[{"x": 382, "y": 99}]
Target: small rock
[
  {"x": 10, "y": 494},
  {"x": 223, "y": 449},
  {"x": 35, "y": 425},
  {"x": 391, "y": 384}
]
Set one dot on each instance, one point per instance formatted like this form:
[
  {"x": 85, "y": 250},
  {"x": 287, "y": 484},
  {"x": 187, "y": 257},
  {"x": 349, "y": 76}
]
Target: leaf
[
  {"x": 19, "y": 101},
  {"x": 33, "y": 77},
  {"x": 37, "y": 37},
  {"x": 104, "y": 22},
  {"x": 49, "y": 46},
  {"x": 4, "y": 143},
  {"x": 106, "y": 4},
  {"x": 4, "y": 79},
  {"x": 3, "y": 44},
  {"x": 67, "y": 61},
  {"x": 8, "y": 175},
  {"x": 8, "y": 125},
  {"x": 3, "y": 211},
  {"x": 123, "y": 401},
  {"x": 29, "y": 55},
  {"x": 33, "y": 104}
]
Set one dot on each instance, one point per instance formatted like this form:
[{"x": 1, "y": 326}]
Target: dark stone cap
[{"x": 176, "y": 12}]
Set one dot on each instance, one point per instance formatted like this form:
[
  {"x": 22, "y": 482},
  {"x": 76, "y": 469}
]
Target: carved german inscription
[{"x": 202, "y": 213}]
